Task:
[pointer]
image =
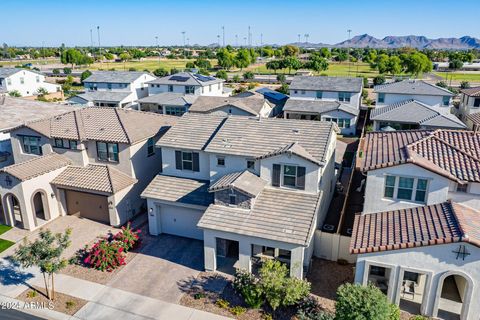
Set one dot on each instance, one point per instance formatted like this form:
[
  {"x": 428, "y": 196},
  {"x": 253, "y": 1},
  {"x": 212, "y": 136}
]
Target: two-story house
[
  {"x": 417, "y": 238},
  {"x": 248, "y": 187},
  {"x": 92, "y": 161},
  {"x": 114, "y": 89},
  {"x": 413, "y": 104},
  {"x": 254, "y": 105},
  {"x": 335, "y": 99},
  {"x": 469, "y": 108},
  {"x": 26, "y": 82}
]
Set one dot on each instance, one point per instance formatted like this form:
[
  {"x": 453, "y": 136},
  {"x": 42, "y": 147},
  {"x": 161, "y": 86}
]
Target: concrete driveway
[{"x": 163, "y": 269}]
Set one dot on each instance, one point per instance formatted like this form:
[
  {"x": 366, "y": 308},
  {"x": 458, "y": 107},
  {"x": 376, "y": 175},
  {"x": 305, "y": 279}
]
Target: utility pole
[
  {"x": 306, "y": 37},
  {"x": 348, "y": 51},
  {"x": 236, "y": 40},
  {"x": 99, "y": 46},
  {"x": 223, "y": 32},
  {"x": 261, "y": 39},
  {"x": 158, "y": 49},
  {"x": 245, "y": 40},
  {"x": 184, "y": 53},
  {"x": 299, "y": 35},
  {"x": 249, "y": 37},
  {"x": 218, "y": 40},
  {"x": 188, "y": 42},
  {"x": 91, "y": 39}
]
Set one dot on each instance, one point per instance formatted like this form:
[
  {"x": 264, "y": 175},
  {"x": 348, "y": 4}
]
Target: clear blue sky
[{"x": 31, "y": 22}]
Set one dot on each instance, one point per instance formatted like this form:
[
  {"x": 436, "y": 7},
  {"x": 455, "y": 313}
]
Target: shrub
[
  {"x": 394, "y": 312},
  {"x": 251, "y": 85},
  {"x": 442, "y": 84},
  {"x": 247, "y": 285},
  {"x": 199, "y": 295},
  {"x": 380, "y": 79},
  {"x": 56, "y": 71},
  {"x": 222, "y": 74},
  {"x": 67, "y": 70},
  {"x": 127, "y": 237},
  {"x": 105, "y": 255},
  {"x": 31, "y": 294},
  {"x": 419, "y": 317},
  {"x": 70, "y": 304},
  {"x": 281, "y": 78},
  {"x": 85, "y": 74},
  {"x": 355, "y": 301},
  {"x": 238, "y": 310},
  {"x": 224, "y": 304},
  {"x": 14, "y": 93},
  {"x": 267, "y": 316},
  {"x": 248, "y": 75},
  {"x": 464, "y": 85},
  {"x": 132, "y": 69},
  {"x": 160, "y": 72}
]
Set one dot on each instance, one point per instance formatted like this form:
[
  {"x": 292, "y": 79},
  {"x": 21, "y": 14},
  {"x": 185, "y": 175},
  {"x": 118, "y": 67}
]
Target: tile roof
[
  {"x": 414, "y": 227},
  {"x": 170, "y": 98},
  {"x": 207, "y": 104},
  {"x": 115, "y": 76},
  {"x": 104, "y": 96},
  {"x": 248, "y": 136},
  {"x": 281, "y": 215},
  {"x": 472, "y": 92},
  {"x": 187, "y": 79},
  {"x": 95, "y": 177},
  {"x": 175, "y": 189},
  {"x": 104, "y": 124},
  {"x": 7, "y": 72},
  {"x": 317, "y": 106},
  {"x": 291, "y": 148},
  {"x": 322, "y": 83},
  {"x": 474, "y": 117},
  {"x": 412, "y": 87},
  {"x": 192, "y": 131},
  {"x": 15, "y": 112},
  {"x": 244, "y": 181},
  {"x": 412, "y": 111},
  {"x": 454, "y": 154},
  {"x": 37, "y": 166}
]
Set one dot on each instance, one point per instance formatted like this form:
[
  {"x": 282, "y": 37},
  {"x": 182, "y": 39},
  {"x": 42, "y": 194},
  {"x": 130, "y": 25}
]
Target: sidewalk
[{"x": 104, "y": 302}]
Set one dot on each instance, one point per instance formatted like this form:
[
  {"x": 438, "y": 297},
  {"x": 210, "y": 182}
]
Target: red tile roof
[
  {"x": 473, "y": 92},
  {"x": 454, "y": 154},
  {"x": 415, "y": 227}
]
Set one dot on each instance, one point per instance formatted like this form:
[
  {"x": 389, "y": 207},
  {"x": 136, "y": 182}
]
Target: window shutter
[
  {"x": 178, "y": 160},
  {"x": 276, "y": 175},
  {"x": 196, "y": 165},
  {"x": 301, "y": 177},
  {"x": 161, "y": 159}
]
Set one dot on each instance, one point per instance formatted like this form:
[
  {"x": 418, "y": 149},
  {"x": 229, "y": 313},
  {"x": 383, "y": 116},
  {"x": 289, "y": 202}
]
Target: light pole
[
  {"x": 223, "y": 32},
  {"x": 348, "y": 51},
  {"x": 218, "y": 40},
  {"x": 236, "y": 40},
  {"x": 245, "y": 40},
  {"x": 99, "y": 46},
  {"x": 299, "y": 35},
  {"x": 184, "y": 53},
  {"x": 261, "y": 39},
  {"x": 158, "y": 49},
  {"x": 306, "y": 37}
]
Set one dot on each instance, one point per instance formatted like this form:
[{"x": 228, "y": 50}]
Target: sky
[{"x": 51, "y": 23}]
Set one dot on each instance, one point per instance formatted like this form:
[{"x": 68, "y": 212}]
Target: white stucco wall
[
  {"x": 391, "y": 98},
  {"x": 169, "y": 169},
  {"x": 31, "y": 83},
  {"x": 355, "y": 98},
  {"x": 232, "y": 164}
]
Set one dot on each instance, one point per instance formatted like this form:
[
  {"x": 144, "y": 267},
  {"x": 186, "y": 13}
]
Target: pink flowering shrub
[{"x": 109, "y": 252}]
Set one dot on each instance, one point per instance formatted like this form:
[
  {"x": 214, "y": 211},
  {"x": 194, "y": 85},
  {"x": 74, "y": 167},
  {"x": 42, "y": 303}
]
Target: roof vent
[
  {"x": 295, "y": 131},
  {"x": 102, "y": 129},
  {"x": 328, "y": 227},
  {"x": 58, "y": 118}
]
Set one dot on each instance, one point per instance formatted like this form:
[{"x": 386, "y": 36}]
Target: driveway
[{"x": 163, "y": 269}]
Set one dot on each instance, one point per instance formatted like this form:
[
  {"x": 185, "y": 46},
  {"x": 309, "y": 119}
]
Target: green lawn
[
  {"x": 5, "y": 244},
  {"x": 4, "y": 228},
  {"x": 149, "y": 64},
  {"x": 32, "y": 61},
  {"x": 460, "y": 76}
]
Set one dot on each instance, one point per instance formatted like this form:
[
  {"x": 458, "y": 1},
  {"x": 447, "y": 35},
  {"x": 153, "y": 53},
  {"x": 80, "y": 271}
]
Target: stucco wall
[
  {"x": 169, "y": 169},
  {"x": 391, "y": 98},
  {"x": 232, "y": 164},
  {"x": 327, "y": 96}
]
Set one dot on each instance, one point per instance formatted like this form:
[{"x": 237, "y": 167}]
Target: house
[
  {"x": 344, "y": 115},
  {"x": 188, "y": 83},
  {"x": 14, "y": 112},
  {"x": 26, "y": 82},
  {"x": 417, "y": 238},
  {"x": 171, "y": 103},
  {"x": 412, "y": 114},
  {"x": 92, "y": 162},
  {"x": 238, "y": 183},
  {"x": 425, "y": 259},
  {"x": 254, "y": 105},
  {"x": 418, "y": 90},
  {"x": 469, "y": 105},
  {"x": 114, "y": 89}
]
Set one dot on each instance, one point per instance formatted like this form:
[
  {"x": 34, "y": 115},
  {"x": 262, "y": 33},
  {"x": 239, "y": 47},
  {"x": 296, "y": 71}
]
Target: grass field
[
  {"x": 460, "y": 76},
  {"x": 34, "y": 62},
  {"x": 5, "y": 244},
  {"x": 4, "y": 228},
  {"x": 147, "y": 64}
]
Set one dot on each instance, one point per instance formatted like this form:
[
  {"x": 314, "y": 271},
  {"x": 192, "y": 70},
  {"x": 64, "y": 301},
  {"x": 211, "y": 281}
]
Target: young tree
[
  {"x": 416, "y": 63},
  {"x": 226, "y": 58},
  {"x": 222, "y": 74},
  {"x": 464, "y": 85},
  {"x": 85, "y": 75},
  {"x": 67, "y": 70},
  {"x": 124, "y": 56},
  {"x": 248, "y": 75},
  {"x": 455, "y": 64},
  {"x": 273, "y": 65},
  {"x": 160, "y": 72},
  {"x": 317, "y": 63},
  {"x": 242, "y": 59},
  {"x": 281, "y": 78},
  {"x": 292, "y": 63},
  {"x": 46, "y": 254}
]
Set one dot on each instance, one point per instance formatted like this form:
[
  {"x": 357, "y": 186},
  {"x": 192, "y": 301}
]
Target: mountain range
[{"x": 418, "y": 42}]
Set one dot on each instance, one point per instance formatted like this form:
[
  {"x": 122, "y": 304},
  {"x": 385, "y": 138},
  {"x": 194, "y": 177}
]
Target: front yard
[{"x": 5, "y": 244}]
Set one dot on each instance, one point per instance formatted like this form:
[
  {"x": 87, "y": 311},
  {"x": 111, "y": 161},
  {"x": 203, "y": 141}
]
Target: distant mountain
[{"x": 418, "y": 42}]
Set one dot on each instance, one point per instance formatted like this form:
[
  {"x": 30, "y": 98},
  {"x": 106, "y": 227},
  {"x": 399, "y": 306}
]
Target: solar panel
[
  {"x": 204, "y": 78},
  {"x": 179, "y": 78}
]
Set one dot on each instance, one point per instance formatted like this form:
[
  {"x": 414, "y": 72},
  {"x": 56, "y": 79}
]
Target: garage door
[
  {"x": 87, "y": 205},
  {"x": 180, "y": 221}
]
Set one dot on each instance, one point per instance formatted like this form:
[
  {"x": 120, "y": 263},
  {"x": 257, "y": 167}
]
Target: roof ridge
[
  {"x": 122, "y": 125},
  {"x": 455, "y": 216},
  {"x": 454, "y": 147},
  {"x": 109, "y": 176},
  {"x": 34, "y": 159}
]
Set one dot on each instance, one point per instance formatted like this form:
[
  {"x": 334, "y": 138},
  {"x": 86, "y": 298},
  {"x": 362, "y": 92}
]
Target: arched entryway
[
  {"x": 453, "y": 296},
  {"x": 3, "y": 217},
  {"x": 12, "y": 207},
  {"x": 40, "y": 207}
]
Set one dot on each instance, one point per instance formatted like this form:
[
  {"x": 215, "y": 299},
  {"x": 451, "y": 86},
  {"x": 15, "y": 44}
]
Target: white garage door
[{"x": 180, "y": 221}]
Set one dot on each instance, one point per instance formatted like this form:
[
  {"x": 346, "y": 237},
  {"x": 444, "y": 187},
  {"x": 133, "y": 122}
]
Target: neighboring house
[
  {"x": 473, "y": 121},
  {"x": 341, "y": 89},
  {"x": 240, "y": 106},
  {"x": 412, "y": 114},
  {"x": 276, "y": 98},
  {"x": 469, "y": 105},
  {"x": 170, "y": 103},
  {"x": 188, "y": 83},
  {"x": 248, "y": 187},
  {"x": 92, "y": 162},
  {"x": 26, "y": 82},
  {"x": 407, "y": 169},
  {"x": 426, "y": 259},
  {"x": 419, "y": 90},
  {"x": 15, "y": 112},
  {"x": 344, "y": 115},
  {"x": 114, "y": 89}
]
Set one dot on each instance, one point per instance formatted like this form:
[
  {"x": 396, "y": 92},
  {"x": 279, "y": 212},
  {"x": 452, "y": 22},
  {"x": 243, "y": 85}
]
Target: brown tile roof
[
  {"x": 281, "y": 215},
  {"x": 37, "y": 166},
  {"x": 474, "y": 117},
  {"x": 414, "y": 227},
  {"x": 104, "y": 124},
  {"x": 206, "y": 104},
  {"x": 472, "y": 92},
  {"x": 103, "y": 178},
  {"x": 244, "y": 181},
  {"x": 454, "y": 154},
  {"x": 291, "y": 148}
]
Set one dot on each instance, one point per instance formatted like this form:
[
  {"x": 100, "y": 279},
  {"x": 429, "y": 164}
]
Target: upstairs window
[
  {"x": 381, "y": 98},
  {"x": 220, "y": 162},
  {"x": 290, "y": 176},
  {"x": 462, "y": 187},
  {"x": 251, "y": 164},
  {"x": 232, "y": 198},
  {"x": 37, "y": 78},
  {"x": 9, "y": 81},
  {"x": 65, "y": 144},
  {"x": 476, "y": 103},
  {"x": 186, "y": 160},
  {"x": 31, "y": 145},
  {"x": 189, "y": 89},
  {"x": 150, "y": 147},
  {"x": 446, "y": 101},
  {"x": 22, "y": 80},
  {"x": 174, "y": 111},
  {"x": 107, "y": 151},
  {"x": 170, "y": 88},
  {"x": 344, "y": 96},
  {"x": 109, "y": 86},
  {"x": 319, "y": 94},
  {"x": 405, "y": 188}
]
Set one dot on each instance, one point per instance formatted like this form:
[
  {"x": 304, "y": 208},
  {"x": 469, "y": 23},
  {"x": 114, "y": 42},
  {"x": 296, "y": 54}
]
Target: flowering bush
[{"x": 128, "y": 237}]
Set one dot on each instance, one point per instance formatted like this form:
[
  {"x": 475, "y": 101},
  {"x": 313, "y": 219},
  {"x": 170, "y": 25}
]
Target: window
[
  {"x": 462, "y": 187},
  {"x": 9, "y": 81},
  {"x": 174, "y": 111},
  {"x": 8, "y": 181},
  {"x": 303, "y": 91},
  {"x": 109, "y": 86},
  {"x": 189, "y": 89},
  {"x": 37, "y": 78},
  {"x": 344, "y": 96},
  {"x": 377, "y": 271},
  {"x": 446, "y": 101},
  {"x": 476, "y": 103},
  {"x": 342, "y": 123},
  {"x": 107, "y": 151},
  {"x": 22, "y": 80},
  {"x": 65, "y": 144},
  {"x": 232, "y": 198},
  {"x": 295, "y": 91},
  {"x": 319, "y": 94},
  {"x": 381, "y": 97},
  {"x": 251, "y": 164},
  {"x": 293, "y": 177},
  {"x": 170, "y": 88},
  {"x": 187, "y": 161},
  {"x": 31, "y": 145},
  {"x": 150, "y": 147},
  {"x": 220, "y": 161},
  {"x": 405, "y": 188}
]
